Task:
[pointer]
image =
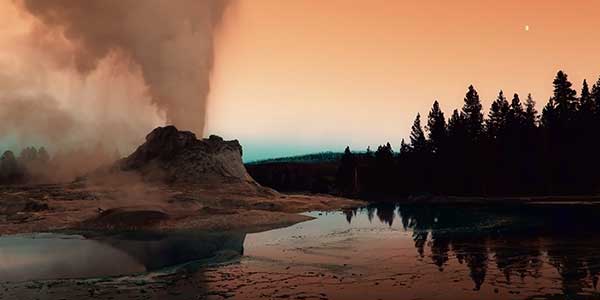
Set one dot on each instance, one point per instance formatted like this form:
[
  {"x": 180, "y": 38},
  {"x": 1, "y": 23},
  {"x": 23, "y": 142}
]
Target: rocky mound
[
  {"x": 126, "y": 217},
  {"x": 177, "y": 156}
]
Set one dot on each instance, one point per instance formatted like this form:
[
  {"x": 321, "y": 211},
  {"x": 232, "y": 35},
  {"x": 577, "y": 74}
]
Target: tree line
[
  {"x": 36, "y": 166},
  {"x": 307, "y": 158},
  {"x": 15, "y": 169},
  {"x": 512, "y": 151}
]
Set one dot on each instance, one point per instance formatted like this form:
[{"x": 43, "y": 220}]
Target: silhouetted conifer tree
[
  {"x": 515, "y": 147},
  {"x": 531, "y": 114},
  {"x": 473, "y": 115},
  {"x": 404, "y": 147},
  {"x": 564, "y": 97},
  {"x": 417, "y": 136},
  {"x": 549, "y": 115},
  {"x": 595, "y": 95},
  {"x": 585, "y": 104},
  {"x": 456, "y": 127},
  {"x": 472, "y": 154},
  {"x": 436, "y": 127},
  {"x": 531, "y": 158},
  {"x": 347, "y": 180},
  {"x": 516, "y": 152},
  {"x": 384, "y": 168},
  {"x": 456, "y": 153},
  {"x": 384, "y": 153},
  {"x": 516, "y": 114},
  {"x": 584, "y": 138},
  {"x": 559, "y": 121},
  {"x": 498, "y": 117}
]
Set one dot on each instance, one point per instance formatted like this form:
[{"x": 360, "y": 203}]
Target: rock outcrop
[{"x": 175, "y": 156}]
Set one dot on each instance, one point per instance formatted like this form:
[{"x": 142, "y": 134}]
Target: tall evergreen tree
[
  {"x": 564, "y": 97},
  {"x": 458, "y": 142},
  {"x": 436, "y": 127},
  {"x": 384, "y": 168},
  {"x": 417, "y": 136},
  {"x": 347, "y": 173},
  {"x": 585, "y": 105},
  {"x": 516, "y": 114},
  {"x": 497, "y": 117},
  {"x": 594, "y": 145},
  {"x": 404, "y": 147},
  {"x": 385, "y": 152},
  {"x": 514, "y": 150},
  {"x": 560, "y": 122},
  {"x": 549, "y": 115},
  {"x": 347, "y": 156},
  {"x": 531, "y": 114},
  {"x": 530, "y": 157},
  {"x": 595, "y": 96},
  {"x": 473, "y": 115},
  {"x": 584, "y": 123},
  {"x": 456, "y": 126}
]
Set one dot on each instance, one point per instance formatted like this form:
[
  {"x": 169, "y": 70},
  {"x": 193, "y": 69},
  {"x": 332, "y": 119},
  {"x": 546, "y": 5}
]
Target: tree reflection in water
[{"x": 516, "y": 239}]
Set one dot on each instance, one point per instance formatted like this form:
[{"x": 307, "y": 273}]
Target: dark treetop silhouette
[{"x": 513, "y": 151}]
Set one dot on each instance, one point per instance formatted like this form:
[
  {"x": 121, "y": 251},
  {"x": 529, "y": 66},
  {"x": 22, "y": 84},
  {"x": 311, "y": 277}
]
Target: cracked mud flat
[{"x": 375, "y": 253}]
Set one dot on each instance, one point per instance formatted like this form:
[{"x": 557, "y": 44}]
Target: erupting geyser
[{"x": 171, "y": 42}]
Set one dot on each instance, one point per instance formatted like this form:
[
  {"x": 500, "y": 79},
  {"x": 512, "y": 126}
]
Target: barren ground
[{"x": 125, "y": 203}]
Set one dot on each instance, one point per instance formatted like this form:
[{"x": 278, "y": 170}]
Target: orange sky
[{"x": 300, "y": 76}]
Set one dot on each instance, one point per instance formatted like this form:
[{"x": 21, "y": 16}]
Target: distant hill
[
  {"x": 307, "y": 158},
  {"x": 303, "y": 173}
]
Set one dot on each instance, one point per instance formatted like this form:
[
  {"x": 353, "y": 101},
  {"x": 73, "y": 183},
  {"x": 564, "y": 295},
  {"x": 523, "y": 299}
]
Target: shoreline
[
  {"x": 162, "y": 208},
  {"x": 487, "y": 200},
  {"x": 211, "y": 213}
]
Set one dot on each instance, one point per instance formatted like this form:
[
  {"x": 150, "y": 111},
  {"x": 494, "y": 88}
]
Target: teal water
[{"x": 57, "y": 256}]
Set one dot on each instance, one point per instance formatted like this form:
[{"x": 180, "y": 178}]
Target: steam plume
[{"x": 170, "y": 41}]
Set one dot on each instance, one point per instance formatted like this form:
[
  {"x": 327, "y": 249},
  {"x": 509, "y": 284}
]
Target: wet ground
[{"x": 374, "y": 252}]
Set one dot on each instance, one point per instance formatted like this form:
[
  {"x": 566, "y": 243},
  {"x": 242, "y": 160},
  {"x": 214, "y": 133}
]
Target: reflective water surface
[
  {"x": 440, "y": 252},
  {"x": 375, "y": 252},
  {"x": 57, "y": 256}
]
